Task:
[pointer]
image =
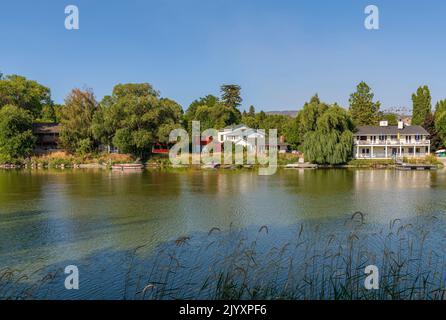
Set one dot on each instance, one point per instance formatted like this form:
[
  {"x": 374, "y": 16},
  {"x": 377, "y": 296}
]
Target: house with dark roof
[
  {"x": 386, "y": 142},
  {"x": 47, "y": 135}
]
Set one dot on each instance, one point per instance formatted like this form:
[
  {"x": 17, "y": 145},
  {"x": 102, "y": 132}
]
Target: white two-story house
[
  {"x": 385, "y": 142},
  {"x": 241, "y": 135}
]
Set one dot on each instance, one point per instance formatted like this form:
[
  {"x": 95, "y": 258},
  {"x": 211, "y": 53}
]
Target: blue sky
[{"x": 280, "y": 52}]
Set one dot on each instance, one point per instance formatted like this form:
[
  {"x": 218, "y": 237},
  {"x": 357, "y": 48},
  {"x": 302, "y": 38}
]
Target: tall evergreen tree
[
  {"x": 422, "y": 105},
  {"x": 230, "y": 95},
  {"x": 252, "y": 111},
  {"x": 362, "y": 108}
]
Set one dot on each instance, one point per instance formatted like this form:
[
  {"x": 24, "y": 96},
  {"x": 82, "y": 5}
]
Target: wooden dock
[
  {"x": 128, "y": 167},
  {"x": 407, "y": 166},
  {"x": 301, "y": 166}
]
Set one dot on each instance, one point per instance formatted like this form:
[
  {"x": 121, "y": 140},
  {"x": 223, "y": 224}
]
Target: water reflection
[{"x": 51, "y": 216}]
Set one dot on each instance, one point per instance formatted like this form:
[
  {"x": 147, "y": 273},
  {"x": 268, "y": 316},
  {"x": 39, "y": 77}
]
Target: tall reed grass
[{"x": 311, "y": 260}]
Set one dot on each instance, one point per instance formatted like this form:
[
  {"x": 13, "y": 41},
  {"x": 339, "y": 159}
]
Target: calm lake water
[{"x": 95, "y": 219}]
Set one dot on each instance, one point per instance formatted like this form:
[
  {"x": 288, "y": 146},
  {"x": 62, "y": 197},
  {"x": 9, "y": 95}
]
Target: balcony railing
[
  {"x": 392, "y": 142},
  {"x": 389, "y": 155}
]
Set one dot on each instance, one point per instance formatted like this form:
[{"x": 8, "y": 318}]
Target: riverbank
[{"x": 61, "y": 160}]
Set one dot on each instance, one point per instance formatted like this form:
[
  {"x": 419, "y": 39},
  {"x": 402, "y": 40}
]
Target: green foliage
[
  {"x": 212, "y": 113},
  {"x": 362, "y": 108},
  {"x": 252, "y": 111},
  {"x": 275, "y": 121},
  {"x": 50, "y": 113},
  {"x": 421, "y": 105},
  {"x": 76, "y": 124},
  {"x": 440, "y": 107},
  {"x": 305, "y": 121},
  {"x": 134, "y": 117},
  {"x": 371, "y": 163},
  {"x": 391, "y": 118},
  {"x": 230, "y": 95},
  {"x": 27, "y": 94},
  {"x": 16, "y": 138},
  {"x": 434, "y": 136},
  {"x": 440, "y": 123},
  {"x": 250, "y": 121},
  {"x": 332, "y": 139}
]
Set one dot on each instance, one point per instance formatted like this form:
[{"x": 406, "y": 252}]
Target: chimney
[{"x": 400, "y": 125}]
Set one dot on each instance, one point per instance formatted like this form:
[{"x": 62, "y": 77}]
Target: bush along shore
[{"x": 65, "y": 160}]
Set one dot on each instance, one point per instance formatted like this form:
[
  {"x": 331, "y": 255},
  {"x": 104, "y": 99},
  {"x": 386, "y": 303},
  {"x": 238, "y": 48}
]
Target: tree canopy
[
  {"x": 16, "y": 137},
  {"x": 134, "y": 117},
  {"x": 331, "y": 140},
  {"x": 26, "y": 94},
  {"x": 422, "y": 105},
  {"x": 305, "y": 121},
  {"x": 440, "y": 122},
  {"x": 76, "y": 133},
  {"x": 362, "y": 108},
  {"x": 231, "y": 96},
  {"x": 212, "y": 113}
]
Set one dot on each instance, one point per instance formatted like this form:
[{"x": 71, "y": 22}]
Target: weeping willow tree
[{"x": 332, "y": 140}]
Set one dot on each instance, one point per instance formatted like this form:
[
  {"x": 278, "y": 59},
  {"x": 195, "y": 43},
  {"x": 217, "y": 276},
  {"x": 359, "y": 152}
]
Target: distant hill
[{"x": 284, "y": 113}]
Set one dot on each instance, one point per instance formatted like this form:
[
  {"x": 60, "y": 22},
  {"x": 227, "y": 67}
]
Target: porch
[{"x": 388, "y": 152}]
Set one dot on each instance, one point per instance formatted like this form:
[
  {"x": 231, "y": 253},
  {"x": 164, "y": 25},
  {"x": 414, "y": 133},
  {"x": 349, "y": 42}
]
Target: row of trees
[
  {"x": 135, "y": 116},
  {"x": 132, "y": 118}
]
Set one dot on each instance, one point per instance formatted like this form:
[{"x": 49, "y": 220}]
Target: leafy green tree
[
  {"x": 230, "y": 95},
  {"x": 26, "y": 94},
  {"x": 331, "y": 142},
  {"x": 133, "y": 118},
  {"x": 440, "y": 106},
  {"x": 16, "y": 137},
  {"x": 261, "y": 116},
  {"x": 199, "y": 110},
  {"x": 362, "y": 108},
  {"x": 76, "y": 133},
  {"x": 250, "y": 121},
  {"x": 212, "y": 113},
  {"x": 440, "y": 123},
  {"x": 305, "y": 121},
  {"x": 429, "y": 125},
  {"x": 422, "y": 105},
  {"x": 391, "y": 118},
  {"x": 275, "y": 121}
]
